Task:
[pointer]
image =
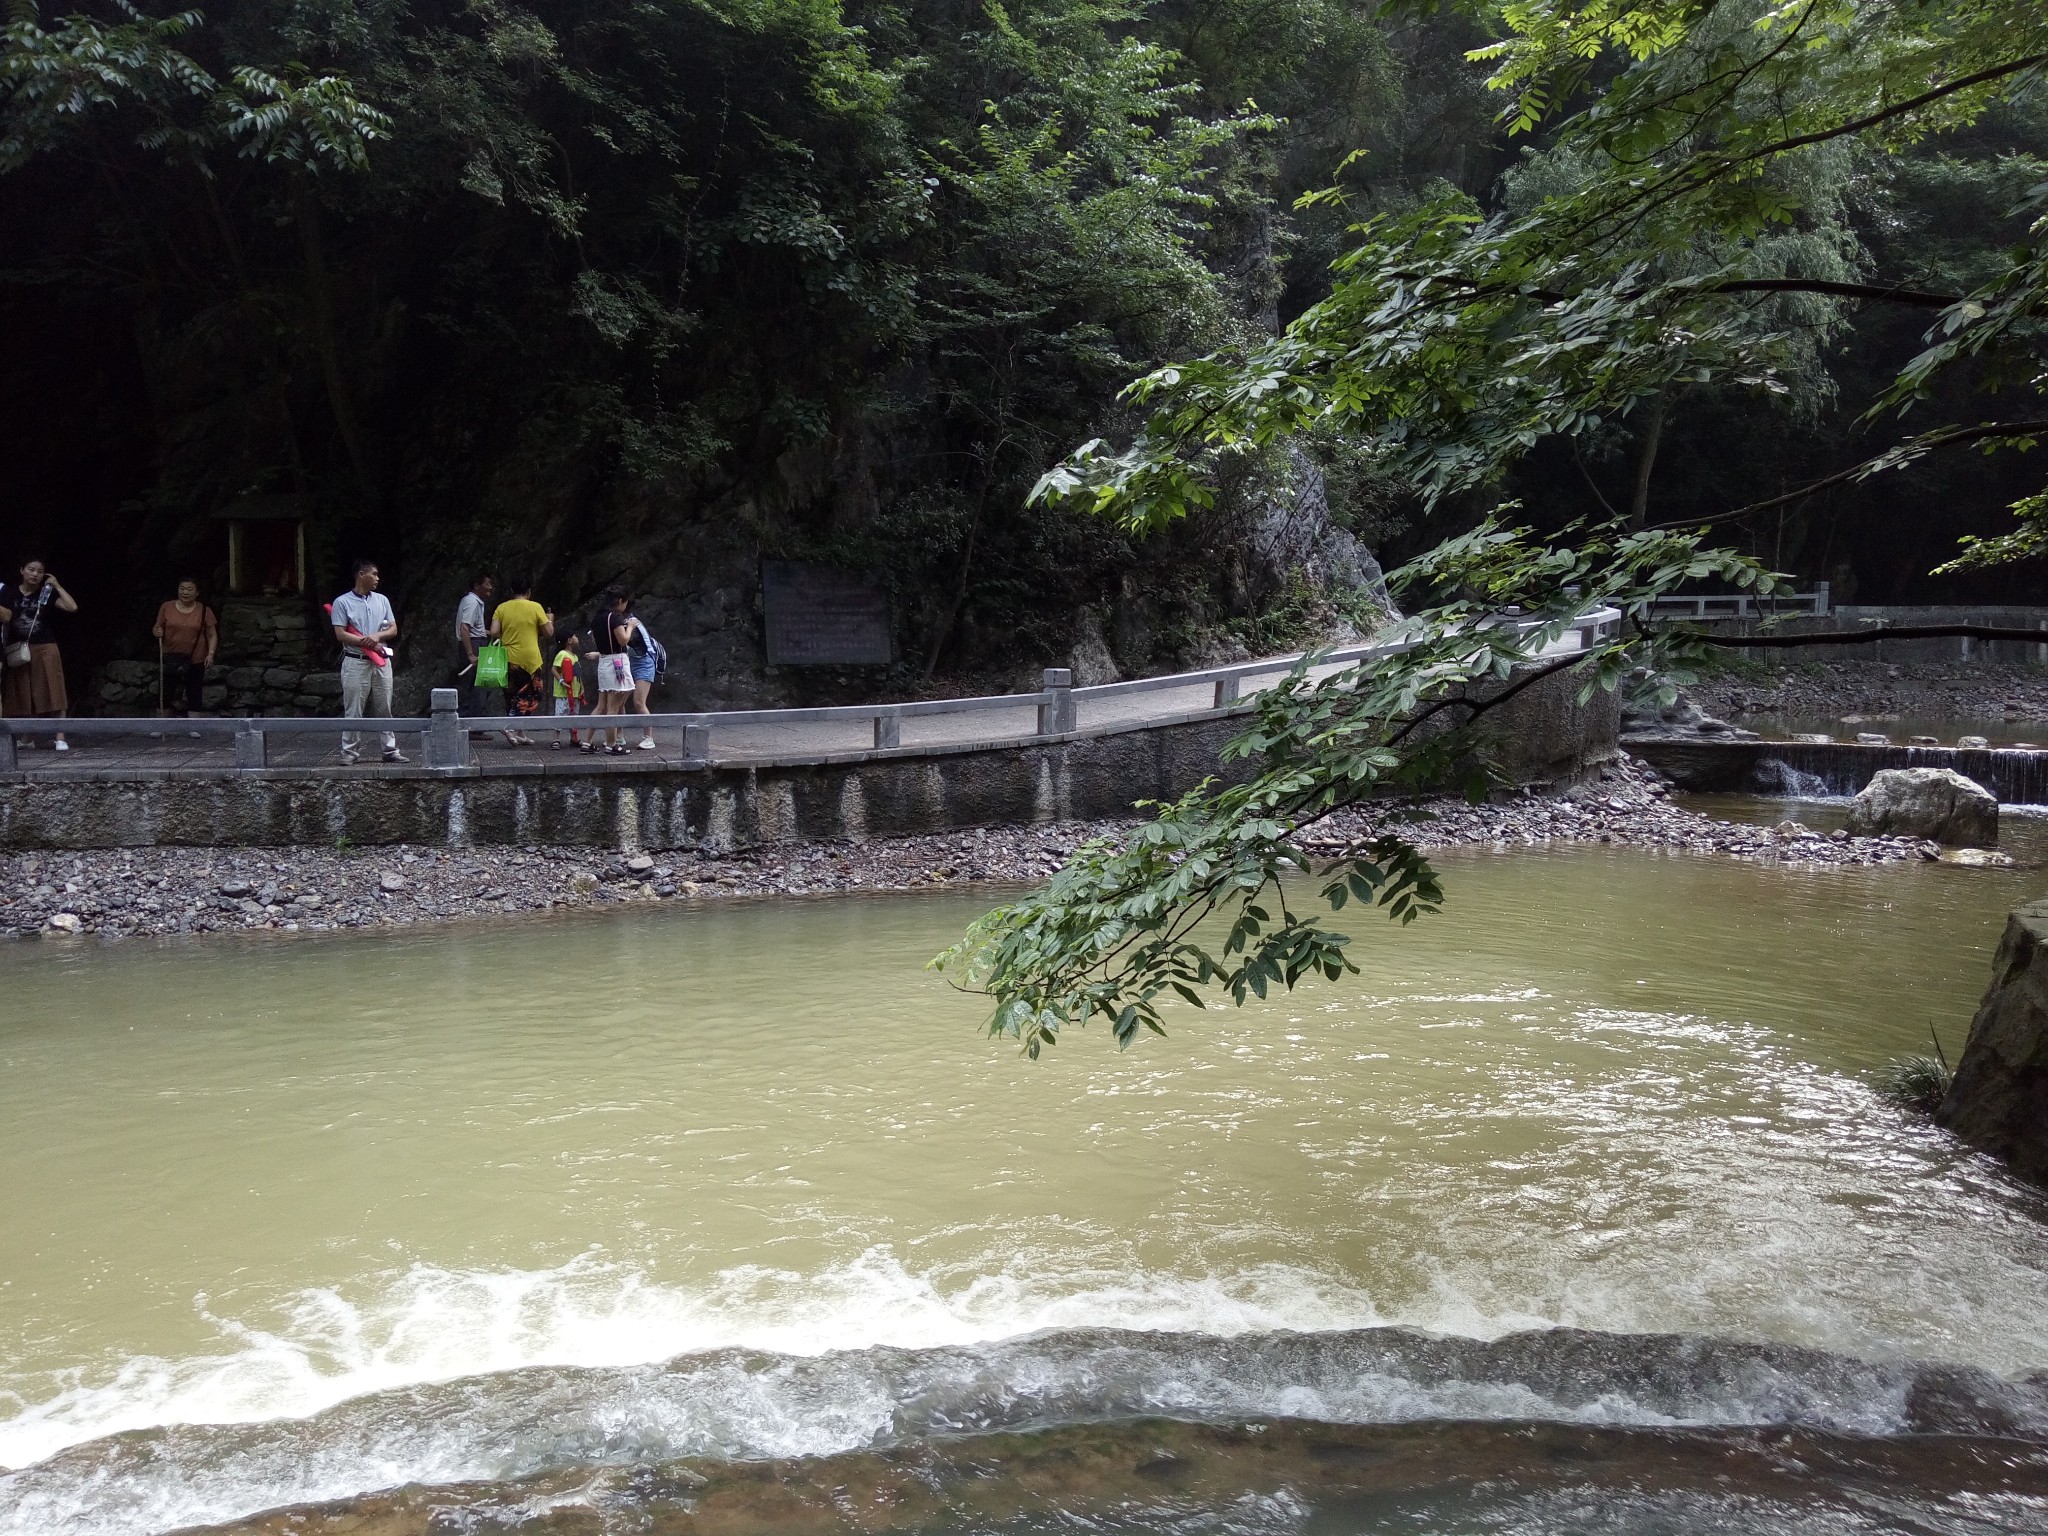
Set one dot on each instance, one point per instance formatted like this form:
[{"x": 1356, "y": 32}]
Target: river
[{"x": 293, "y": 1217}]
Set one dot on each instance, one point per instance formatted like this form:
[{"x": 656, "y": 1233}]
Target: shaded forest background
[{"x": 652, "y": 291}]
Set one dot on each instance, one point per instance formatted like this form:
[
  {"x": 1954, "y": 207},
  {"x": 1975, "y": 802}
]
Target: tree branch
[
  {"x": 1926, "y": 443},
  {"x": 1869, "y": 291},
  {"x": 1869, "y": 636},
  {"x": 1481, "y": 706}
]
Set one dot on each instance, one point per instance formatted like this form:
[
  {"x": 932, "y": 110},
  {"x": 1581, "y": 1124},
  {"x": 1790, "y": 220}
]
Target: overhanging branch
[{"x": 1869, "y": 636}]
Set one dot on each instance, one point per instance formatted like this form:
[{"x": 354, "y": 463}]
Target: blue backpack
[{"x": 660, "y": 651}]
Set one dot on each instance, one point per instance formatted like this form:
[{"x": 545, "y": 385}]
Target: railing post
[
  {"x": 888, "y": 729},
  {"x": 7, "y": 764},
  {"x": 447, "y": 744},
  {"x": 697, "y": 742},
  {"x": 249, "y": 746},
  {"x": 1821, "y": 608},
  {"x": 1226, "y": 691},
  {"x": 1056, "y": 713}
]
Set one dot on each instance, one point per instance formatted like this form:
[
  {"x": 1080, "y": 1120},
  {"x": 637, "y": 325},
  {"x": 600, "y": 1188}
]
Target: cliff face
[{"x": 1999, "y": 1099}]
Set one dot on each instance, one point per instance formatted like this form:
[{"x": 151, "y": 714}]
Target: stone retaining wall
[
  {"x": 2017, "y": 775},
  {"x": 130, "y": 687}
]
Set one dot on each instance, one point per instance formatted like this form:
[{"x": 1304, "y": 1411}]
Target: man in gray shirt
[
  {"x": 364, "y": 626},
  {"x": 473, "y": 629}
]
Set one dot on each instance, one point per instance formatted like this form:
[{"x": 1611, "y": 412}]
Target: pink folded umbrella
[{"x": 352, "y": 633}]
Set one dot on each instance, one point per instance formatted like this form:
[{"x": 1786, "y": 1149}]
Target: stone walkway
[
  {"x": 157, "y": 747},
  {"x": 165, "y": 747}
]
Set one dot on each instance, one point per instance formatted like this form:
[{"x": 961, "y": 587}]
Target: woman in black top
[
  {"x": 609, "y": 640},
  {"x": 34, "y": 665}
]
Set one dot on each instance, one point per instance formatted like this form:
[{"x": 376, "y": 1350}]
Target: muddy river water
[{"x": 557, "y": 1211}]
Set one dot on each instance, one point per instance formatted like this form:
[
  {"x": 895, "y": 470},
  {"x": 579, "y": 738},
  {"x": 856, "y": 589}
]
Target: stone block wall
[
  {"x": 130, "y": 688},
  {"x": 270, "y": 663}
]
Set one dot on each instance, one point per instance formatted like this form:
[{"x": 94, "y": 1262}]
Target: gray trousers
[{"x": 363, "y": 683}]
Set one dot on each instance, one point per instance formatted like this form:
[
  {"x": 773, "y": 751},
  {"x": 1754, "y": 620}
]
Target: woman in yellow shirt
[{"x": 519, "y": 625}]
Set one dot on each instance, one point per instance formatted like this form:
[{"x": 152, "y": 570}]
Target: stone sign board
[{"x": 819, "y": 616}]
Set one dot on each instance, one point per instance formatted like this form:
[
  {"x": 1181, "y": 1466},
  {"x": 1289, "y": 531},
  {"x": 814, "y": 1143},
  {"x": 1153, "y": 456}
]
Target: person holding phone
[{"x": 36, "y": 613}]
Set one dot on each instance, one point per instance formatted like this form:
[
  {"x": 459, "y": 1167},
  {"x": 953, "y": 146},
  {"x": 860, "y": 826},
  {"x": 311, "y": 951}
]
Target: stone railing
[
  {"x": 1053, "y": 711},
  {"x": 1709, "y": 607}
]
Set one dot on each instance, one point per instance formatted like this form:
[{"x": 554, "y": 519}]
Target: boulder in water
[
  {"x": 1978, "y": 858},
  {"x": 1999, "y": 1098},
  {"x": 1937, "y": 803}
]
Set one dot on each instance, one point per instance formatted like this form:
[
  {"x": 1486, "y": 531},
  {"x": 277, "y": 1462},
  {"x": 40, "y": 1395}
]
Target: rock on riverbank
[
  {"x": 122, "y": 892},
  {"x": 1999, "y": 1098}
]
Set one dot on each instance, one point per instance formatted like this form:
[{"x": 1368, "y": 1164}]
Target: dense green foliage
[
  {"x": 1131, "y": 921},
  {"x": 1682, "y": 231},
  {"x": 635, "y": 288},
  {"x": 1666, "y": 223}
]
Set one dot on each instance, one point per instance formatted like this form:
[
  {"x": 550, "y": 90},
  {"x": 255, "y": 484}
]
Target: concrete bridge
[{"x": 716, "y": 780}]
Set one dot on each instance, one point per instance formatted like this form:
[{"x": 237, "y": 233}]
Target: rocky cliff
[{"x": 1999, "y": 1099}]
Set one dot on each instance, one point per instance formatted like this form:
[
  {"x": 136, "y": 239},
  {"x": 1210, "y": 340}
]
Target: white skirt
[{"x": 615, "y": 673}]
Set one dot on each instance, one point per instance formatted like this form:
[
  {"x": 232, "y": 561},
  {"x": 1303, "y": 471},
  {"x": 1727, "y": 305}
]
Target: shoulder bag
[{"x": 18, "y": 653}]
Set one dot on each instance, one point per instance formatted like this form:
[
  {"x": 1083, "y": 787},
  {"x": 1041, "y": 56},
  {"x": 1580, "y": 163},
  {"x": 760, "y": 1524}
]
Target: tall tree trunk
[
  {"x": 326, "y": 335},
  {"x": 1646, "y": 460},
  {"x": 959, "y": 599}
]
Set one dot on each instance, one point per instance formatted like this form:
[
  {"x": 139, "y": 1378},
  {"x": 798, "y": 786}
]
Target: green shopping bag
[{"x": 490, "y": 667}]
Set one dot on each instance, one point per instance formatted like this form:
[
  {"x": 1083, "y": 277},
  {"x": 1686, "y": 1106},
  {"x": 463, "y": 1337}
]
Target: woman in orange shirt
[{"x": 188, "y": 635}]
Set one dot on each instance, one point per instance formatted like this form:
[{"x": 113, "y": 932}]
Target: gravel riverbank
[{"x": 122, "y": 892}]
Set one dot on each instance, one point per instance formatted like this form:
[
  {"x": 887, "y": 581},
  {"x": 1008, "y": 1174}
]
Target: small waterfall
[
  {"x": 1812, "y": 768},
  {"x": 1776, "y": 777},
  {"x": 458, "y": 820},
  {"x": 853, "y": 810},
  {"x": 1043, "y": 805},
  {"x": 718, "y": 829},
  {"x": 775, "y": 811}
]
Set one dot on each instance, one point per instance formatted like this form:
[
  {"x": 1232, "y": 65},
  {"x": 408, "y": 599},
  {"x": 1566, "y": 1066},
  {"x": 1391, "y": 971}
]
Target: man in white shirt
[
  {"x": 473, "y": 629},
  {"x": 364, "y": 625}
]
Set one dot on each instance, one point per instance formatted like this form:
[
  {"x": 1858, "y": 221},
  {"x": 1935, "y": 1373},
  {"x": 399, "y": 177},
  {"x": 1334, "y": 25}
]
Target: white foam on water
[{"x": 428, "y": 1324}]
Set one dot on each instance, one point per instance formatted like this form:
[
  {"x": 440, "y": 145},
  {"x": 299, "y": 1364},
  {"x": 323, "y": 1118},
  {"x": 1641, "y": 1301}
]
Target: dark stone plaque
[{"x": 820, "y": 617}]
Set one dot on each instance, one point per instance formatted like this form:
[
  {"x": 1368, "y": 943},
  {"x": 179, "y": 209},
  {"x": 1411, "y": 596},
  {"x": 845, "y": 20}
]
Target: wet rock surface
[
  {"x": 1999, "y": 1096},
  {"x": 122, "y": 892},
  {"x": 1935, "y": 803},
  {"x": 1160, "y": 1474}
]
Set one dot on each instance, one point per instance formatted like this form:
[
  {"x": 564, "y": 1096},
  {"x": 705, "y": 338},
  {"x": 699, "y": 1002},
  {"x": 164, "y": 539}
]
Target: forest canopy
[
  {"x": 1680, "y": 230},
  {"x": 664, "y": 288}
]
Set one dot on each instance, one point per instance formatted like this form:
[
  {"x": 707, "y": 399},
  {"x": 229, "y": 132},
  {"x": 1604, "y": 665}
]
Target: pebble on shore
[{"x": 117, "y": 893}]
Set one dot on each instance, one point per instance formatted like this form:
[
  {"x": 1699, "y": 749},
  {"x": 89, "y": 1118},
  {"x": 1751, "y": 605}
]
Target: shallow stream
[{"x": 689, "y": 1189}]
